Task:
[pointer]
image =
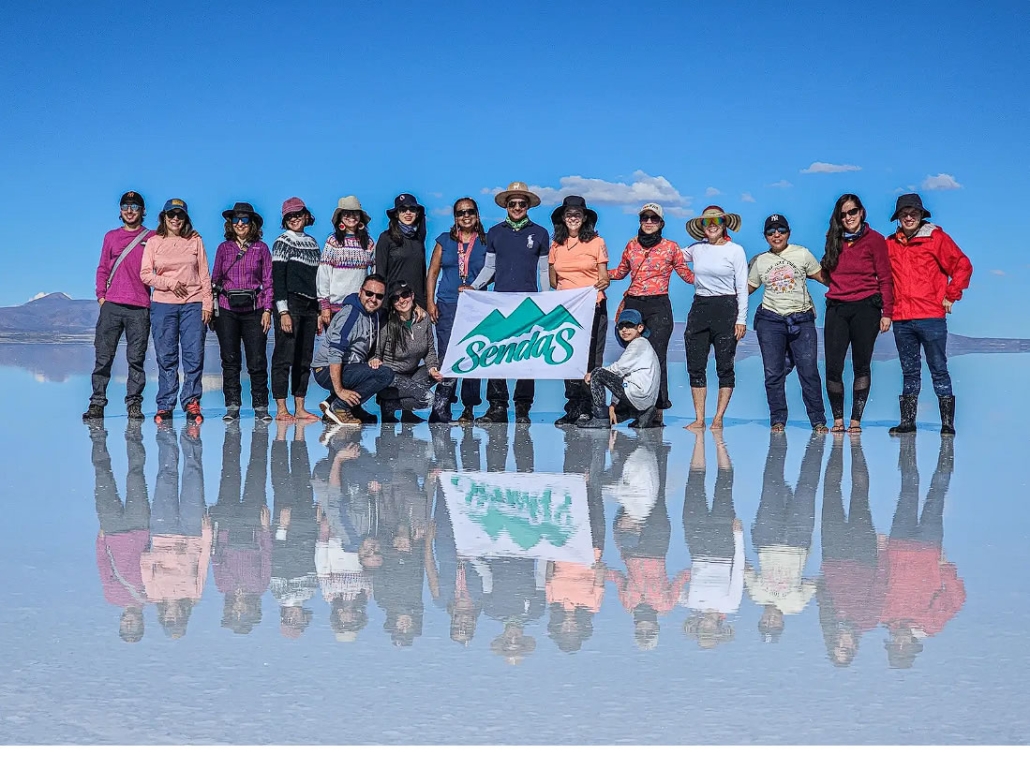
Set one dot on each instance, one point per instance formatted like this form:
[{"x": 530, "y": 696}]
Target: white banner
[
  {"x": 521, "y": 335},
  {"x": 524, "y": 515}
]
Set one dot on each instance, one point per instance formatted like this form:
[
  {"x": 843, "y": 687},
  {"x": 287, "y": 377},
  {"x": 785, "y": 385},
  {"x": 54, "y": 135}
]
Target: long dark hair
[
  {"x": 254, "y": 233},
  {"x": 395, "y": 338},
  {"x": 361, "y": 233},
  {"x": 186, "y": 232},
  {"x": 835, "y": 234},
  {"x": 480, "y": 231},
  {"x": 394, "y": 230},
  {"x": 586, "y": 231}
]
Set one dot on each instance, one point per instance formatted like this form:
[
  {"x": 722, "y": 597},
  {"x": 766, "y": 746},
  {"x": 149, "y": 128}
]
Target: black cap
[
  {"x": 399, "y": 287},
  {"x": 131, "y": 197},
  {"x": 909, "y": 200},
  {"x": 776, "y": 220}
]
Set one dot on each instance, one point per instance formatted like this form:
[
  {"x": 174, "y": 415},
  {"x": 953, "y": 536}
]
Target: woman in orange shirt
[{"x": 579, "y": 258}]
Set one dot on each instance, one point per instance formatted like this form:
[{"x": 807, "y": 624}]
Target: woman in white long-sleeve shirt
[{"x": 718, "y": 315}]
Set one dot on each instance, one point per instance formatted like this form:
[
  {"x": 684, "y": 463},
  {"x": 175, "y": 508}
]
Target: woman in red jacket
[{"x": 859, "y": 303}]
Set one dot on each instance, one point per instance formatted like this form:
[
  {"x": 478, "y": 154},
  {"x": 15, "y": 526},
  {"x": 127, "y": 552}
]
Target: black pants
[
  {"x": 497, "y": 392},
  {"x": 854, "y": 325},
  {"x": 710, "y": 324},
  {"x": 851, "y": 536},
  {"x": 657, "y": 314},
  {"x": 577, "y": 392},
  {"x": 291, "y": 357},
  {"x": 113, "y": 320},
  {"x": 233, "y": 328},
  {"x": 603, "y": 381}
]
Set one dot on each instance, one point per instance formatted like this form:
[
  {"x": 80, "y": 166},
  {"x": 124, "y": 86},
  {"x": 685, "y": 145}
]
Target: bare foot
[
  {"x": 283, "y": 415},
  {"x": 838, "y": 426},
  {"x": 855, "y": 427},
  {"x": 776, "y": 428},
  {"x": 717, "y": 423},
  {"x": 303, "y": 415},
  {"x": 698, "y": 425}
]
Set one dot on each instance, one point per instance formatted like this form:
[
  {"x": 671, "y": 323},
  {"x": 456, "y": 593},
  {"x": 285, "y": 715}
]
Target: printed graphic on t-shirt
[{"x": 781, "y": 279}]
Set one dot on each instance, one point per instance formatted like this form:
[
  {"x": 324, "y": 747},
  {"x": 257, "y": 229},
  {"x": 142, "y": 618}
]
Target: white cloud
[
  {"x": 940, "y": 182},
  {"x": 747, "y": 197},
  {"x": 711, "y": 192},
  {"x": 998, "y": 272},
  {"x": 643, "y": 188},
  {"x": 829, "y": 168},
  {"x": 442, "y": 212},
  {"x": 783, "y": 184}
]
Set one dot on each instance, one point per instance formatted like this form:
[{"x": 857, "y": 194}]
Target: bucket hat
[
  {"x": 909, "y": 200},
  {"x": 697, "y": 231},
  {"x": 573, "y": 201},
  {"x": 349, "y": 203},
  {"x": 408, "y": 200},
  {"x": 243, "y": 209},
  {"x": 517, "y": 189}
]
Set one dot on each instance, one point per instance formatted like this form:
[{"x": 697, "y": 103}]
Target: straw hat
[
  {"x": 697, "y": 231},
  {"x": 517, "y": 189},
  {"x": 349, "y": 203}
]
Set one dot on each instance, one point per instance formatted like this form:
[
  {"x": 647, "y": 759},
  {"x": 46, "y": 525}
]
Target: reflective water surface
[{"x": 246, "y": 583}]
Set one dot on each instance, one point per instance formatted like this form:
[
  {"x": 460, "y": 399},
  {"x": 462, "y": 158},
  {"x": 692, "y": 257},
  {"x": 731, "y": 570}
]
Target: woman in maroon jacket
[{"x": 859, "y": 303}]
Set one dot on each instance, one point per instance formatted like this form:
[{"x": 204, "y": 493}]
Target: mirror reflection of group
[{"x": 373, "y": 528}]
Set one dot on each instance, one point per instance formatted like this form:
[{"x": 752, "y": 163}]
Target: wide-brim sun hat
[
  {"x": 517, "y": 189},
  {"x": 697, "y": 231},
  {"x": 573, "y": 201},
  {"x": 243, "y": 209},
  {"x": 909, "y": 200},
  {"x": 349, "y": 203},
  {"x": 405, "y": 199}
]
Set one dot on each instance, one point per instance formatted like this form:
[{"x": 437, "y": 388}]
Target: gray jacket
[
  {"x": 417, "y": 344},
  {"x": 350, "y": 337}
]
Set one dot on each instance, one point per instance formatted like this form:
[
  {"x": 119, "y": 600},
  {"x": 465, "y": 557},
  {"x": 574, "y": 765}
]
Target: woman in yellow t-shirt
[{"x": 579, "y": 258}]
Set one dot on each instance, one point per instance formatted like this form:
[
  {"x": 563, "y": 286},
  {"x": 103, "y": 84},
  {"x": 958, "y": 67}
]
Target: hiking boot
[
  {"x": 232, "y": 413},
  {"x": 261, "y": 414},
  {"x": 363, "y": 416},
  {"x": 409, "y": 417},
  {"x": 495, "y": 415},
  {"x": 522, "y": 414},
  {"x": 135, "y": 411},
  {"x": 340, "y": 415},
  {"x": 595, "y": 423},
  {"x": 163, "y": 416},
  {"x": 947, "y": 404},
  {"x": 193, "y": 412},
  {"x": 467, "y": 417},
  {"x": 908, "y": 405},
  {"x": 93, "y": 412}
]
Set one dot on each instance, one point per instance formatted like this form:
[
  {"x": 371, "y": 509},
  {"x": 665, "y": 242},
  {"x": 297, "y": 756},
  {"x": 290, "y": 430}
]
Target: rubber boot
[
  {"x": 522, "y": 413},
  {"x": 947, "y": 404},
  {"x": 909, "y": 404},
  {"x": 646, "y": 419},
  {"x": 496, "y": 414},
  {"x": 441, "y": 413}
]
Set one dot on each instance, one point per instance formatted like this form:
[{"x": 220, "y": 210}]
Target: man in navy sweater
[{"x": 516, "y": 260}]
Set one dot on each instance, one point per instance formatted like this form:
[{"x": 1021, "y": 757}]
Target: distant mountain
[
  {"x": 523, "y": 319},
  {"x": 50, "y": 318}
]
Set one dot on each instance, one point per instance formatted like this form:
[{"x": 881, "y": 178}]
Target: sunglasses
[
  {"x": 518, "y": 204},
  {"x": 713, "y": 221},
  {"x": 402, "y": 295},
  {"x": 295, "y": 215},
  {"x": 850, "y": 212},
  {"x": 241, "y": 220},
  {"x": 465, "y": 212},
  {"x": 134, "y": 207},
  {"x": 373, "y": 294},
  {"x": 175, "y": 214},
  {"x": 573, "y": 215},
  {"x": 626, "y": 325},
  {"x": 407, "y": 210},
  {"x": 777, "y": 230},
  {"x": 647, "y": 218}
]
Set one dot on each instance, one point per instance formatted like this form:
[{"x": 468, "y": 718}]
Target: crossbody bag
[{"x": 121, "y": 258}]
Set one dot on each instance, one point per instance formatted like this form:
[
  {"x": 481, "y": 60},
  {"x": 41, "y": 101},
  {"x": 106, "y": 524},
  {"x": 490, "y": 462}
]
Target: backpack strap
[{"x": 118, "y": 262}]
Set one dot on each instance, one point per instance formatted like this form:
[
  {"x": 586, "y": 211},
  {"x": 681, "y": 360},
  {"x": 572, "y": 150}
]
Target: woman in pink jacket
[{"x": 175, "y": 266}]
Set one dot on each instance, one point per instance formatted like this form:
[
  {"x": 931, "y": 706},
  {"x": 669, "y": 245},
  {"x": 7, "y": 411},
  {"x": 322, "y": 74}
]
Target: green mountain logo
[{"x": 523, "y": 319}]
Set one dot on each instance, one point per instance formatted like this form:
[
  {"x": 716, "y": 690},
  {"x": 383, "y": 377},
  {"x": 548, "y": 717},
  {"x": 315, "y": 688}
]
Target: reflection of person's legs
[
  {"x": 254, "y": 487},
  {"x": 231, "y": 476},
  {"x": 470, "y": 452},
  {"x": 497, "y": 449},
  {"x": 137, "y": 504},
  {"x": 931, "y": 524},
  {"x": 772, "y": 341},
  {"x": 165, "y": 509},
  {"x": 775, "y": 499},
  {"x": 524, "y": 455},
  {"x": 801, "y": 520},
  {"x": 191, "y": 500}
]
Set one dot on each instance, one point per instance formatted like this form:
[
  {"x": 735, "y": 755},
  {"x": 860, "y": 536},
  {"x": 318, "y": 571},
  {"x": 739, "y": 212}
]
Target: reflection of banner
[
  {"x": 518, "y": 335},
  {"x": 527, "y": 515}
]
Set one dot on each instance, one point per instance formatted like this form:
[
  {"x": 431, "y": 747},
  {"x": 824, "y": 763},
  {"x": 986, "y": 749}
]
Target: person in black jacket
[{"x": 401, "y": 249}]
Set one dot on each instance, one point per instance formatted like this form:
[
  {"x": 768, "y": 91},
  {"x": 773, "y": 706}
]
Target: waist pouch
[{"x": 242, "y": 300}]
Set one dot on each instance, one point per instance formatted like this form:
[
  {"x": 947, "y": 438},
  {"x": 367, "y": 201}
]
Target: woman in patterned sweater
[{"x": 346, "y": 258}]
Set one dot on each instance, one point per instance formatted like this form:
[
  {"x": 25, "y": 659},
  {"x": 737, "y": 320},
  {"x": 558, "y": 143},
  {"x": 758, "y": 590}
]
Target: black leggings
[
  {"x": 710, "y": 324},
  {"x": 856, "y": 325},
  {"x": 657, "y": 314},
  {"x": 291, "y": 356}
]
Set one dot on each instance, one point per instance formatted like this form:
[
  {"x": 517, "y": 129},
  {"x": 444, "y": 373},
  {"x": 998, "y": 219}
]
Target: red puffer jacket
[{"x": 927, "y": 269}]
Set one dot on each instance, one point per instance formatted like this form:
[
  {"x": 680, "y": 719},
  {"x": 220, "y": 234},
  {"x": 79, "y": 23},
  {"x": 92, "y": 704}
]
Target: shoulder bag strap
[{"x": 118, "y": 262}]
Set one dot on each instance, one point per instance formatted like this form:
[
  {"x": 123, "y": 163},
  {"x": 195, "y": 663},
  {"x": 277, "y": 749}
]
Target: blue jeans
[
  {"x": 174, "y": 326},
  {"x": 789, "y": 341},
  {"x": 932, "y": 335},
  {"x": 359, "y": 377},
  {"x": 470, "y": 388}
]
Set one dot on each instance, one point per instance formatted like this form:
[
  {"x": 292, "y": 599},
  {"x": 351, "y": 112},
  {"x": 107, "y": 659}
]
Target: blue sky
[{"x": 725, "y": 103}]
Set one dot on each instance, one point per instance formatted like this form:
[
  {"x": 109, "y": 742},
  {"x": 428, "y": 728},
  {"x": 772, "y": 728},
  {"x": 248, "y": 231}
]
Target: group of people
[
  {"x": 371, "y": 525},
  {"x": 386, "y": 311}
]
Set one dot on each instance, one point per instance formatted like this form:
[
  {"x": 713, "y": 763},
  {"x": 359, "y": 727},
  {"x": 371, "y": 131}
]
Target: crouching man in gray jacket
[{"x": 340, "y": 364}]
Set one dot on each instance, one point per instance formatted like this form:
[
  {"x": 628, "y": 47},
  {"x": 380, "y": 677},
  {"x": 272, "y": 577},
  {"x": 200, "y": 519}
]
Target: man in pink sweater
[{"x": 124, "y": 308}]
